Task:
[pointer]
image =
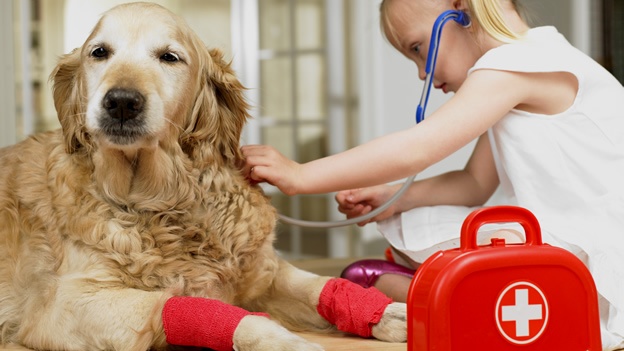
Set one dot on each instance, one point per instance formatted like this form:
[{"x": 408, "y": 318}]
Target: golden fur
[{"x": 100, "y": 223}]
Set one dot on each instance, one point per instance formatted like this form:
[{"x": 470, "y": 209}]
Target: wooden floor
[
  {"x": 352, "y": 343},
  {"x": 329, "y": 342},
  {"x": 337, "y": 342}
]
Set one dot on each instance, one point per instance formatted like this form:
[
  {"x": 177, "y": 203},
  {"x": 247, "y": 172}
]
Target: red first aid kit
[{"x": 501, "y": 296}]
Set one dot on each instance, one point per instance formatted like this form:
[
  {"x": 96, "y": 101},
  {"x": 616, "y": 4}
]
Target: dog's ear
[
  {"x": 219, "y": 113},
  {"x": 70, "y": 101}
]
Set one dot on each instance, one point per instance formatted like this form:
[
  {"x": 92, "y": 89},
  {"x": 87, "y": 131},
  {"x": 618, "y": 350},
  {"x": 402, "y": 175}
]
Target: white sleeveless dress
[{"x": 568, "y": 169}]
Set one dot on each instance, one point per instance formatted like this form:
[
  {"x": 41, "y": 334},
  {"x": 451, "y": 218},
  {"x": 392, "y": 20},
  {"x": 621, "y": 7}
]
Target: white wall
[
  {"x": 7, "y": 77},
  {"x": 571, "y": 17}
]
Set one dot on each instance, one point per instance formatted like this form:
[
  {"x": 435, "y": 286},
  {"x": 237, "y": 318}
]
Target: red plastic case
[{"x": 530, "y": 296}]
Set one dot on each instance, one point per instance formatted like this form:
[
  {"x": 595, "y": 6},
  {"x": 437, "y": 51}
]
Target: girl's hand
[
  {"x": 358, "y": 202},
  {"x": 265, "y": 164}
]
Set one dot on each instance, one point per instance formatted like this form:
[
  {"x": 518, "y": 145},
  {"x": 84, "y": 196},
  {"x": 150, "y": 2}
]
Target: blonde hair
[{"x": 486, "y": 13}]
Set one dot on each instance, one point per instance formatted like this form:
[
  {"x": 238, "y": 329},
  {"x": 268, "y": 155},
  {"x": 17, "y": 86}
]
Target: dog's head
[{"x": 143, "y": 79}]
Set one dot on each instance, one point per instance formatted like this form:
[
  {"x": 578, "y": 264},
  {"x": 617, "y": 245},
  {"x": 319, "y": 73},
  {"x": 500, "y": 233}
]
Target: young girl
[{"x": 550, "y": 132}]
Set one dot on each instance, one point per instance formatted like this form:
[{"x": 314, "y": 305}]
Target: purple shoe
[{"x": 366, "y": 272}]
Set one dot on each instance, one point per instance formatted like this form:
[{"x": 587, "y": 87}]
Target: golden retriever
[{"x": 139, "y": 197}]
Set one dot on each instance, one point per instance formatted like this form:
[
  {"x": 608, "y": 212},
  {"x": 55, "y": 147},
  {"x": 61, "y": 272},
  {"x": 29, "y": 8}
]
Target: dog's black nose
[{"x": 123, "y": 104}]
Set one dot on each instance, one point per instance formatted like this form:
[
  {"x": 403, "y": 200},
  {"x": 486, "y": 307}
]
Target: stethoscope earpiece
[{"x": 463, "y": 19}]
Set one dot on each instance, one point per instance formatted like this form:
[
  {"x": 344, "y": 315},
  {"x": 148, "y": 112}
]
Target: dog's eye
[
  {"x": 99, "y": 53},
  {"x": 169, "y": 57}
]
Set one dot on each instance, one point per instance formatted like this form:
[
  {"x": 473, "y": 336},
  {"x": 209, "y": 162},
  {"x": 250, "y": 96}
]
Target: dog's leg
[
  {"x": 393, "y": 324},
  {"x": 295, "y": 299},
  {"x": 255, "y": 333},
  {"x": 82, "y": 316},
  {"x": 204, "y": 322}
]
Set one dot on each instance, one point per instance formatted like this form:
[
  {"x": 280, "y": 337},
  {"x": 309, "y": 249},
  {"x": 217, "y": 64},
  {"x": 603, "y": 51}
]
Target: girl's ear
[
  {"x": 70, "y": 101},
  {"x": 465, "y": 9},
  {"x": 461, "y": 5}
]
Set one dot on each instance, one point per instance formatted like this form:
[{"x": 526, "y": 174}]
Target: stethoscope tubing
[
  {"x": 354, "y": 220},
  {"x": 432, "y": 55}
]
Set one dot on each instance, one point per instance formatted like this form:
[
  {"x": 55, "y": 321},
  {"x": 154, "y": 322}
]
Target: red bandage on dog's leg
[
  {"x": 352, "y": 308},
  {"x": 199, "y": 322}
]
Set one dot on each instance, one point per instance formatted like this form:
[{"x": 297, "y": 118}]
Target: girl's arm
[
  {"x": 484, "y": 98},
  {"x": 471, "y": 186}
]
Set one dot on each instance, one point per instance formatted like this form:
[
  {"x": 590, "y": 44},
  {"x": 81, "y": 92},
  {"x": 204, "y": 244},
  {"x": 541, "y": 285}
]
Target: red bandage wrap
[
  {"x": 199, "y": 322},
  {"x": 352, "y": 308}
]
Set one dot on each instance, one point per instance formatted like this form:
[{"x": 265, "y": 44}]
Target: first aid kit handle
[{"x": 500, "y": 214}]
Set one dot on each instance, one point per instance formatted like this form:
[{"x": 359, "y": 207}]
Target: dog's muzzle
[{"x": 123, "y": 119}]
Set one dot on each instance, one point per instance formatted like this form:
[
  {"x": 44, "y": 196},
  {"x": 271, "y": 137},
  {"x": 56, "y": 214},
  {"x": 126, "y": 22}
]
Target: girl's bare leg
[{"x": 394, "y": 285}]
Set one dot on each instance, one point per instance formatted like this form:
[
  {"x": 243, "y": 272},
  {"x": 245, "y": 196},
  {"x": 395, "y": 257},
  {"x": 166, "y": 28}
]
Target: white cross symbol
[{"x": 522, "y": 312}]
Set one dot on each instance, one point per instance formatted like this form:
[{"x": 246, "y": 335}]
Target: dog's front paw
[
  {"x": 262, "y": 334},
  {"x": 393, "y": 324}
]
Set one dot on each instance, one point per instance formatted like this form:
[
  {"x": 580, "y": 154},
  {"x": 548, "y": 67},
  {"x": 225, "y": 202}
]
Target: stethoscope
[
  {"x": 432, "y": 57},
  {"x": 434, "y": 43}
]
